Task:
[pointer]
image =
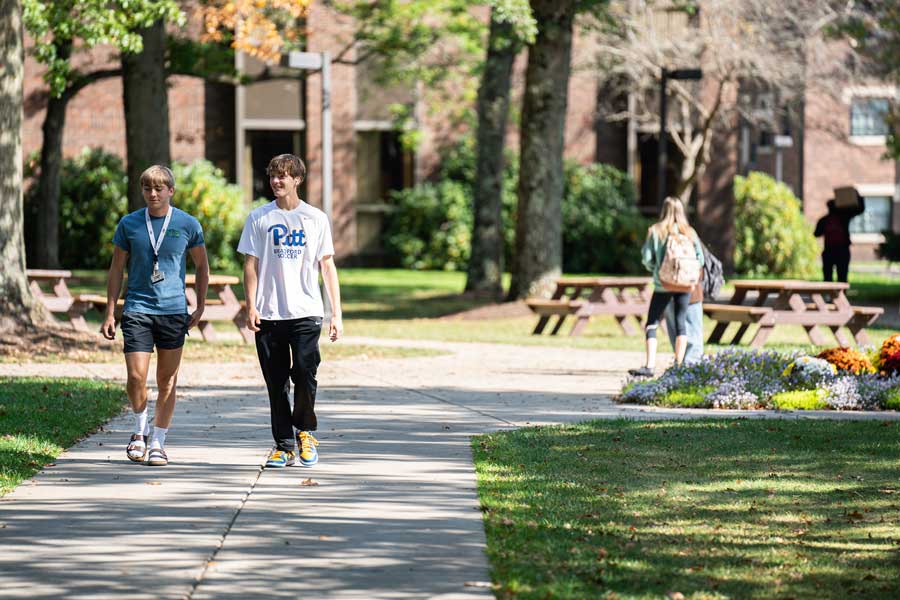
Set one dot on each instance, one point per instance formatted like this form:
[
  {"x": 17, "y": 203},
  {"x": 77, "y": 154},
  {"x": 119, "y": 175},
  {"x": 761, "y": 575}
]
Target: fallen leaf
[
  {"x": 308, "y": 482},
  {"x": 153, "y": 483}
]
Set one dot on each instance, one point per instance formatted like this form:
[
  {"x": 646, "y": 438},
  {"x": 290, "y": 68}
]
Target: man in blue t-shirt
[{"x": 153, "y": 242}]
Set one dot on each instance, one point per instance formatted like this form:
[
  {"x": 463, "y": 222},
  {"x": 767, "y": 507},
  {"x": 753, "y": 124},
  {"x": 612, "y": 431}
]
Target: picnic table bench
[
  {"x": 810, "y": 304},
  {"x": 224, "y": 306},
  {"x": 49, "y": 286},
  {"x": 623, "y": 298}
]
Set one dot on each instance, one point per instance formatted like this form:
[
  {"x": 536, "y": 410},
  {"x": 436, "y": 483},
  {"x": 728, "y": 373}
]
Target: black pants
[
  {"x": 658, "y": 303},
  {"x": 836, "y": 258},
  {"x": 277, "y": 343}
]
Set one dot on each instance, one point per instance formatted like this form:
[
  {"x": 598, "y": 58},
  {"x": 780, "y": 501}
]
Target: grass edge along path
[
  {"x": 40, "y": 417},
  {"x": 694, "y": 509}
]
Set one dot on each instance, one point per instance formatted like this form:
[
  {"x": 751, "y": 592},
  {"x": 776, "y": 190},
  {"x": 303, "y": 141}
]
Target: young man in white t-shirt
[{"x": 285, "y": 244}]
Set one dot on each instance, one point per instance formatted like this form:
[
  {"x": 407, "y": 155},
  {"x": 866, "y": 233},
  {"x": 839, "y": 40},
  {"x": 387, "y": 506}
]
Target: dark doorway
[
  {"x": 646, "y": 172},
  {"x": 263, "y": 146}
]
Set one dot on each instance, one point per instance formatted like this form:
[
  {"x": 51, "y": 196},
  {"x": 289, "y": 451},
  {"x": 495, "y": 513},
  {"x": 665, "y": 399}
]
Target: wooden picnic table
[
  {"x": 221, "y": 304},
  {"x": 224, "y": 306},
  {"x": 49, "y": 286},
  {"x": 624, "y": 298},
  {"x": 810, "y": 304}
]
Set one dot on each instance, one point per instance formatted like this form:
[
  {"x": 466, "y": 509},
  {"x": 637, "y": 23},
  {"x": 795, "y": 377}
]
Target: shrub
[
  {"x": 202, "y": 191},
  {"x": 695, "y": 398},
  {"x": 432, "y": 227},
  {"x": 892, "y": 399},
  {"x": 800, "y": 400},
  {"x": 93, "y": 197},
  {"x": 602, "y": 227},
  {"x": 772, "y": 238},
  {"x": 848, "y": 359}
]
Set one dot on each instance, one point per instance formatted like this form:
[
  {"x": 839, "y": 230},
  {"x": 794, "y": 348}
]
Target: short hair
[
  {"x": 158, "y": 175},
  {"x": 286, "y": 164}
]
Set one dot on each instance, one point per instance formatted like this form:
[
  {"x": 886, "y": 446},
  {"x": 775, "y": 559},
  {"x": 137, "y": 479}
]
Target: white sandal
[
  {"x": 137, "y": 448},
  {"x": 157, "y": 458}
]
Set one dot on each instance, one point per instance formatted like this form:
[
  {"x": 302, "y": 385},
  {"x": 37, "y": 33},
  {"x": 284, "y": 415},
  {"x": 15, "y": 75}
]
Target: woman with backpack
[{"x": 673, "y": 253}]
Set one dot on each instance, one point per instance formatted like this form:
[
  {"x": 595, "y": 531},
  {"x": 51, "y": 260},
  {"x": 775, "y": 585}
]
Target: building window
[
  {"x": 867, "y": 117},
  {"x": 876, "y": 218}
]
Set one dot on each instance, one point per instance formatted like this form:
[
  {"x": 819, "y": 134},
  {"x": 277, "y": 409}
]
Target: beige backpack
[{"x": 680, "y": 269}]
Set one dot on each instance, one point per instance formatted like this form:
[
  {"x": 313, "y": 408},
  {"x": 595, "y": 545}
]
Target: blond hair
[
  {"x": 672, "y": 218},
  {"x": 158, "y": 175}
]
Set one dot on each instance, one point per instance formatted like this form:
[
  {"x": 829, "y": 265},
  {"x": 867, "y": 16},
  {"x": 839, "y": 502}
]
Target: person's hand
[
  {"x": 108, "y": 329},
  {"x": 253, "y": 320},
  {"x": 336, "y": 328},
  {"x": 195, "y": 317}
]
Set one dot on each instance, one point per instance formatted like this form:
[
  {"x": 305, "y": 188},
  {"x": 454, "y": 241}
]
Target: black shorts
[{"x": 142, "y": 331}]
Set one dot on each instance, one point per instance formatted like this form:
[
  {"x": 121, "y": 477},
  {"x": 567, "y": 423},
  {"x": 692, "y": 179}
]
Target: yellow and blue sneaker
[
  {"x": 280, "y": 458},
  {"x": 308, "y": 453}
]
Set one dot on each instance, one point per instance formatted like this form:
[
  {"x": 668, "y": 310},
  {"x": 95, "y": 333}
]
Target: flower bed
[{"x": 838, "y": 379}]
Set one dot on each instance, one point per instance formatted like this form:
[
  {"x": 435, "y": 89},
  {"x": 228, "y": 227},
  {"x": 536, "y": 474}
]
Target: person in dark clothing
[{"x": 835, "y": 229}]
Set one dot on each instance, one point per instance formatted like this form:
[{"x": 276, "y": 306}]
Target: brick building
[{"x": 239, "y": 129}]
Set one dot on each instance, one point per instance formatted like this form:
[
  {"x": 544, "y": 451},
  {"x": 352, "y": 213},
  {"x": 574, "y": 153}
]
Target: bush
[
  {"x": 687, "y": 398},
  {"x": 800, "y": 400},
  {"x": 892, "y": 399},
  {"x": 772, "y": 238},
  {"x": 602, "y": 227},
  {"x": 202, "y": 191},
  {"x": 431, "y": 227},
  {"x": 93, "y": 197}
]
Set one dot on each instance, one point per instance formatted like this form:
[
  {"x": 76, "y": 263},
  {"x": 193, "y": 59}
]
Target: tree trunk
[
  {"x": 46, "y": 248},
  {"x": 485, "y": 270},
  {"x": 538, "y": 259},
  {"x": 146, "y": 109},
  {"x": 17, "y": 306}
]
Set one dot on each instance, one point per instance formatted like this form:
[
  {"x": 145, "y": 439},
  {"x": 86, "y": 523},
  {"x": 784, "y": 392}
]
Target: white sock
[
  {"x": 141, "y": 424},
  {"x": 159, "y": 437}
]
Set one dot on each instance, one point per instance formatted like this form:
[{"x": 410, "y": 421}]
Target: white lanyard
[{"x": 156, "y": 244}]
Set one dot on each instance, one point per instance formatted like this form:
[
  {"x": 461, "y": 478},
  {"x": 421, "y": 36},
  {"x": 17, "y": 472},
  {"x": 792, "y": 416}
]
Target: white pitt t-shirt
[{"x": 289, "y": 245}]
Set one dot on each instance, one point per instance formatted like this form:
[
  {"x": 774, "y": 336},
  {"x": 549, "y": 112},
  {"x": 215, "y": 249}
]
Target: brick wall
[{"x": 95, "y": 117}]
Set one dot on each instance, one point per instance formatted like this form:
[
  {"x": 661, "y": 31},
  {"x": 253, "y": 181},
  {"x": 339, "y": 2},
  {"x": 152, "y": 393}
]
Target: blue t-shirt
[{"x": 166, "y": 297}]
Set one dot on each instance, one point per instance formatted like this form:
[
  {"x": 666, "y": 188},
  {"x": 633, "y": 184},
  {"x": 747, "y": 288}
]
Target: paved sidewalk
[{"x": 393, "y": 512}]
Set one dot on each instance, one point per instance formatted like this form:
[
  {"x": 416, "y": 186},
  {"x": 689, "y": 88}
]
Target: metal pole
[
  {"x": 662, "y": 157},
  {"x": 779, "y": 168},
  {"x": 326, "y": 135}
]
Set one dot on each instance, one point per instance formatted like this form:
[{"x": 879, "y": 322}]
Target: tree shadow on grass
[{"x": 745, "y": 509}]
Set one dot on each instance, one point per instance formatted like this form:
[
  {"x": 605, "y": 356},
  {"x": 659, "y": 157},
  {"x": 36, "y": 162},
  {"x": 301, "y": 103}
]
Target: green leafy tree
[{"x": 60, "y": 29}]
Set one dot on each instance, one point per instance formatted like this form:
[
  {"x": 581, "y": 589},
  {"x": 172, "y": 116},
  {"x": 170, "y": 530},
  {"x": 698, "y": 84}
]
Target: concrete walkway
[{"x": 391, "y": 511}]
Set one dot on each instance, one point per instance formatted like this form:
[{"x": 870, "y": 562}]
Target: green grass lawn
[
  {"x": 706, "y": 509},
  {"x": 41, "y": 417}
]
